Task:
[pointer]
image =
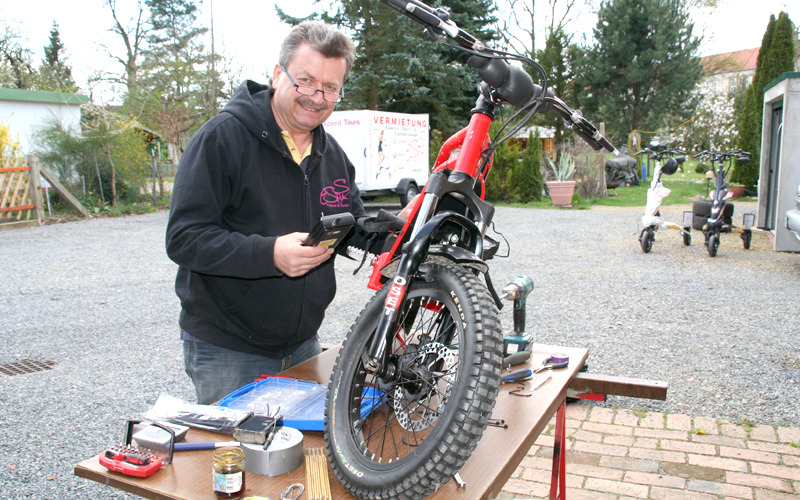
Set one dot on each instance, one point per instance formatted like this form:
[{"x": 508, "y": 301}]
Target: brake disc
[{"x": 416, "y": 414}]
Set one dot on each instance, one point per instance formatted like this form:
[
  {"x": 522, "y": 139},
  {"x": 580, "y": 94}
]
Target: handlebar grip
[
  {"x": 423, "y": 14},
  {"x": 576, "y": 122},
  {"x": 513, "y": 84},
  {"x": 591, "y": 141},
  {"x": 589, "y": 133},
  {"x": 606, "y": 144}
]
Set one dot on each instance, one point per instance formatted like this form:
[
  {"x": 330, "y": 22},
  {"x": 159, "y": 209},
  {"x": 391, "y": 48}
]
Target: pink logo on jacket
[{"x": 336, "y": 195}]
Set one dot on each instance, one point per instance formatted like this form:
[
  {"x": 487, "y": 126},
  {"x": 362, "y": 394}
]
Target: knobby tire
[{"x": 404, "y": 438}]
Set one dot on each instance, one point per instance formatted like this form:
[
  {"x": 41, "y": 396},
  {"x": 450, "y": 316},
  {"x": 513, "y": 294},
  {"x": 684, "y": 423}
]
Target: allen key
[{"x": 497, "y": 422}]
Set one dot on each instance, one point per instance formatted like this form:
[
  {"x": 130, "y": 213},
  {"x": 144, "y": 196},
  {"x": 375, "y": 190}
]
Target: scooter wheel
[
  {"x": 713, "y": 244},
  {"x": 687, "y": 236},
  {"x": 646, "y": 239},
  {"x": 747, "y": 237}
]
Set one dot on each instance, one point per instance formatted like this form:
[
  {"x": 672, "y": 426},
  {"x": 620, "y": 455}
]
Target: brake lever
[{"x": 576, "y": 122}]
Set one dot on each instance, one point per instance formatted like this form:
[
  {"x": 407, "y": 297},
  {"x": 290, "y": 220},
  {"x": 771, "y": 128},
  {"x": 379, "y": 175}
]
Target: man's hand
[{"x": 294, "y": 259}]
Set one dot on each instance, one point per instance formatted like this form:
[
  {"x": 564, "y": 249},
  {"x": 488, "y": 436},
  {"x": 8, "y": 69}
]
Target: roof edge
[
  {"x": 784, "y": 76},
  {"x": 42, "y": 96}
]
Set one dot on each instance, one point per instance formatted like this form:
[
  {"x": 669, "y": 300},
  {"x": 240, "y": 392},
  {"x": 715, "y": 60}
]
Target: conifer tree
[
  {"x": 559, "y": 59},
  {"x": 775, "y": 57},
  {"x": 54, "y": 73},
  {"x": 179, "y": 87},
  {"x": 643, "y": 66},
  {"x": 397, "y": 69},
  {"x": 527, "y": 175}
]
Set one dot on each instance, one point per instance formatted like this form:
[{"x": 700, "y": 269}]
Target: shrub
[{"x": 526, "y": 177}]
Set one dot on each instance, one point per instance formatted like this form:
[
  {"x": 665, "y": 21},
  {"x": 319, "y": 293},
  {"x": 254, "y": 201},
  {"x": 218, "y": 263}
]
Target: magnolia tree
[{"x": 714, "y": 127}]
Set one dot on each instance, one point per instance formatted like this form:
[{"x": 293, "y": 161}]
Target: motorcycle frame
[
  {"x": 458, "y": 177},
  {"x": 457, "y": 231}
]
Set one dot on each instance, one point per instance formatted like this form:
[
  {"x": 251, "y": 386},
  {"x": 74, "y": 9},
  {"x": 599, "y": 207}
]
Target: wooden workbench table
[{"x": 493, "y": 462}]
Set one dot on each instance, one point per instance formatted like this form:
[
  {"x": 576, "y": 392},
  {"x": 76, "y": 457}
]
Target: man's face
[{"x": 297, "y": 113}]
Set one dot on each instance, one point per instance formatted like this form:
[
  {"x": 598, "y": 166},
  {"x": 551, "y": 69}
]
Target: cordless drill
[{"x": 517, "y": 290}]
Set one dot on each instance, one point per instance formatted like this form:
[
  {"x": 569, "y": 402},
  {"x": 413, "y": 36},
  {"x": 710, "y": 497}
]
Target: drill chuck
[{"x": 518, "y": 288}]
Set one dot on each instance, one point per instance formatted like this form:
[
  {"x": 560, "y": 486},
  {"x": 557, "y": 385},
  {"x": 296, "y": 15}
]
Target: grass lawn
[{"x": 686, "y": 186}]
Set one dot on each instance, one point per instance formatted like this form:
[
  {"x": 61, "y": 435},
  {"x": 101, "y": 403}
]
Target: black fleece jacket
[{"x": 236, "y": 190}]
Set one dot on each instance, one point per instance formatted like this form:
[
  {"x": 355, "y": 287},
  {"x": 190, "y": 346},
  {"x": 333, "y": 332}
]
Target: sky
[{"x": 249, "y": 33}]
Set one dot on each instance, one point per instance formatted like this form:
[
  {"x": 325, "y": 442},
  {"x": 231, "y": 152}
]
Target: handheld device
[{"x": 330, "y": 230}]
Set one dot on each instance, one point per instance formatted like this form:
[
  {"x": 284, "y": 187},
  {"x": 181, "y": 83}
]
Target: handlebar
[
  {"x": 509, "y": 83},
  {"x": 738, "y": 154},
  {"x": 657, "y": 155}
]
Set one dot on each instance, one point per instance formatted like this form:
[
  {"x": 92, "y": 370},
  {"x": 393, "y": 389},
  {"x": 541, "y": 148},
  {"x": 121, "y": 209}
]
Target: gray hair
[{"x": 322, "y": 37}]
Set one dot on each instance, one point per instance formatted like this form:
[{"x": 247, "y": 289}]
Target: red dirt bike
[{"x": 416, "y": 379}]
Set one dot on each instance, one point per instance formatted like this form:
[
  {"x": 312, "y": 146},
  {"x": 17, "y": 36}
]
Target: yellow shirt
[{"x": 296, "y": 156}]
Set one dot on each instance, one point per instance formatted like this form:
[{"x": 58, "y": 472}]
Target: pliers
[
  {"x": 517, "y": 375},
  {"x": 553, "y": 363}
]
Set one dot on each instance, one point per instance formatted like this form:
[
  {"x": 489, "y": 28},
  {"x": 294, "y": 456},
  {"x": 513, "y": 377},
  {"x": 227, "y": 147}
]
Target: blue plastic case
[{"x": 300, "y": 402}]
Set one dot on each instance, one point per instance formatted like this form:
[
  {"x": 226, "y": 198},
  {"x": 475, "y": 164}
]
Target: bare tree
[
  {"x": 560, "y": 17},
  {"x": 519, "y": 29},
  {"x": 16, "y": 67},
  {"x": 133, "y": 34}
]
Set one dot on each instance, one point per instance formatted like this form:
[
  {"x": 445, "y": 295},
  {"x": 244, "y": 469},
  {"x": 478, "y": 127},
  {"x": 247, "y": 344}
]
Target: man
[{"x": 252, "y": 182}]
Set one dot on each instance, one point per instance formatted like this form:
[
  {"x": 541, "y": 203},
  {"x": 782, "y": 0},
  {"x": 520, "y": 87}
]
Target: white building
[
  {"x": 27, "y": 111},
  {"x": 730, "y": 71}
]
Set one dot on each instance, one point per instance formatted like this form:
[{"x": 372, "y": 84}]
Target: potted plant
[
  {"x": 737, "y": 190},
  {"x": 562, "y": 188}
]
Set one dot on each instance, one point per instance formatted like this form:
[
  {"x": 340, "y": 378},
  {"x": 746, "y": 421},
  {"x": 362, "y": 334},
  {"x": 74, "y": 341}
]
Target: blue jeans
[{"x": 217, "y": 371}]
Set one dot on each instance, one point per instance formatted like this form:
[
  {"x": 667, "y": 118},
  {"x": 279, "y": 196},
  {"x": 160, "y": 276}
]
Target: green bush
[
  {"x": 498, "y": 183},
  {"x": 526, "y": 178}
]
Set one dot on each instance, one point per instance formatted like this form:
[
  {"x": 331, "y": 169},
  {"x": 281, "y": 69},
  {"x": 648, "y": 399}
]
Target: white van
[{"x": 388, "y": 150}]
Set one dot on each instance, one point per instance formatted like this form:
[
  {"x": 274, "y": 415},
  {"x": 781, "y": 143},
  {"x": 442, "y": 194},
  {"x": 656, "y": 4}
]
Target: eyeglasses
[{"x": 328, "y": 95}]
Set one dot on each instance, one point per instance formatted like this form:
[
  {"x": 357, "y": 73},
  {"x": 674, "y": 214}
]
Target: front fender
[{"x": 421, "y": 248}]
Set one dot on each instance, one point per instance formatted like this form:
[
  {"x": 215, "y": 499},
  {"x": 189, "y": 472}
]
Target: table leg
[{"x": 558, "y": 486}]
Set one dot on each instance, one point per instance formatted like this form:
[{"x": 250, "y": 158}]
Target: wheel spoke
[
  {"x": 401, "y": 419},
  {"x": 418, "y": 409}
]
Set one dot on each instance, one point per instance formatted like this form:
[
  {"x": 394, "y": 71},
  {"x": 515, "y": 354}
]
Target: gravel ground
[{"x": 96, "y": 297}]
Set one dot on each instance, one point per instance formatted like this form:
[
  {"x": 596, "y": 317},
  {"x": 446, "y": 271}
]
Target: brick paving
[{"x": 623, "y": 454}]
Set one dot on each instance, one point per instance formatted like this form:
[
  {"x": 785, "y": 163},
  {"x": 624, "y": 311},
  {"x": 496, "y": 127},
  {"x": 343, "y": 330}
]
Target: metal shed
[{"x": 780, "y": 159}]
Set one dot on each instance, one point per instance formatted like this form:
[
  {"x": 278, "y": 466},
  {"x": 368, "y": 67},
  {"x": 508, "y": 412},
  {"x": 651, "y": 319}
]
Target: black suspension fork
[
  {"x": 414, "y": 253},
  {"x": 375, "y": 356}
]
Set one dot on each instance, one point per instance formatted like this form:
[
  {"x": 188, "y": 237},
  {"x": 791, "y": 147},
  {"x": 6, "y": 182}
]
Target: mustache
[{"x": 307, "y": 102}]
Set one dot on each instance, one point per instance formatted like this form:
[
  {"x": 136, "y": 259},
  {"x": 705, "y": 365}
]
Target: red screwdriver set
[{"x": 133, "y": 460}]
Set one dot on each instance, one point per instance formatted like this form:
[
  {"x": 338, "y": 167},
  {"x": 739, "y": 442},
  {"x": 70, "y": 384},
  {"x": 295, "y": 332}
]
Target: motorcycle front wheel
[{"x": 405, "y": 434}]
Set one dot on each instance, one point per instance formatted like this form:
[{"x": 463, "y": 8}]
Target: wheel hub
[{"x": 418, "y": 403}]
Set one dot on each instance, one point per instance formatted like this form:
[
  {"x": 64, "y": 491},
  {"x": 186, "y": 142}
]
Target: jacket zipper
[{"x": 306, "y": 214}]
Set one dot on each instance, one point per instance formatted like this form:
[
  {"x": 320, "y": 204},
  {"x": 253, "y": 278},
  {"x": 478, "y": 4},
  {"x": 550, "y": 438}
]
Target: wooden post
[
  {"x": 35, "y": 187},
  {"x": 53, "y": 180}
]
